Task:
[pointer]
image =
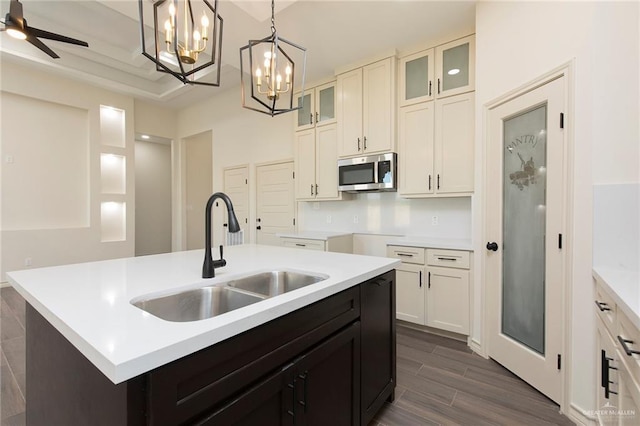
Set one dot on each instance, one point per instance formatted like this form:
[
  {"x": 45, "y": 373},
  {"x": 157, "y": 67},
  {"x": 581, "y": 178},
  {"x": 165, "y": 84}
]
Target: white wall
[
  {"x": 519, "y": 41},
  {"x": 240, "y": 136},
  {"x": 42, "y": 152}
]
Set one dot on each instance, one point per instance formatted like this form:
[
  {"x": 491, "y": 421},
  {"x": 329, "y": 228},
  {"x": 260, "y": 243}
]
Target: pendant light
[
  {"x": 268, "y": 72},
  {"x": 187, "y": 38}
]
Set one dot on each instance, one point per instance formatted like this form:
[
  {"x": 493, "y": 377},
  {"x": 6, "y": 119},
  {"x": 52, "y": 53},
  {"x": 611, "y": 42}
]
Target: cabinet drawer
[
  {"x": 631, "y": 335},
  {"x": 303, "y": 243},
  {"x": 407, "y": 254},
  {"x": 606, "y": 309},
  {"x": 448, "y": 258}
]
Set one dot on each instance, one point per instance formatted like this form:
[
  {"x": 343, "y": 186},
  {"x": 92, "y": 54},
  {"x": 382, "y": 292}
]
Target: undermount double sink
[{"x": 211, "y": 300}]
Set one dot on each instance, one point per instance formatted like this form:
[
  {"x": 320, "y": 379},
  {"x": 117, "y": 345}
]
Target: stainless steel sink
[
  {"x": 197, "y": 304},
  {"x": 209, "y": 301},
  {"x": 273, "y": 283}
]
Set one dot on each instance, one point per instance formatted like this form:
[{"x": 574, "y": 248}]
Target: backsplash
[
  {"x": 388, "y": 213},
  {"x": 616, "y": 225}
]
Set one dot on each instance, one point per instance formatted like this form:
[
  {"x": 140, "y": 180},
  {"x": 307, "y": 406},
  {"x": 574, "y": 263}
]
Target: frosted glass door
[
  {"x": 304, "y": 118},
  {"x": 524, "y": 217},
  {"x": 455, "y": 67},
  {"x": 417, "y": 78},
  {"x": 326, "y": 107}
]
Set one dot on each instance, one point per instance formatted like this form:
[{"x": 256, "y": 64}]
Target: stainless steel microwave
[{"x": 371, "y": 173}]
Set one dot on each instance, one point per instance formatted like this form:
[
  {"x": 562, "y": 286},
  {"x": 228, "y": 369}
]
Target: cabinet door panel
[
  {"x": 378, "y": 367},
  {"x": 417, "y": 78},
  {"x": 416, "y": 149},
  {"x": 326, "y": 166},
  {"x": 456, "y": 67},
  {"x": 305, "y": 165},
  {"x": 305, "y": 115},
  {"x": 410, "y": 287},
  {"x": 328, "y": 381},
  {"x": 349, "y": 102},
  {"x": 326, "y": 104},
  {"x": 269, "y": 403},
  {"x": 448, "y": 299},
  {"x": 377, "y": 107},
  {"x": 454, "y": 152}
]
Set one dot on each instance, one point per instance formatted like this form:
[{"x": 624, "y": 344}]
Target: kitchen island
[{"x": 94, "y": 358}]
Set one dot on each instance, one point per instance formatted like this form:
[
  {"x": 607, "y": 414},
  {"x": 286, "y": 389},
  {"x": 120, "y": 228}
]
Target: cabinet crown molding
[{"x": 390, "y": 53}]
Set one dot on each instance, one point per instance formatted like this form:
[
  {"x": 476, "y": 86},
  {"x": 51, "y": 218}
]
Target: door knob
[
  {"x": 258, "y": 227},
  {"x": 493, "y": 246}
]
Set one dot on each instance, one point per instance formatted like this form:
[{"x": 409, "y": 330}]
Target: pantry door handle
[
  {"x": 420, "y": 279},
  {"x": 493, "y": 246}
]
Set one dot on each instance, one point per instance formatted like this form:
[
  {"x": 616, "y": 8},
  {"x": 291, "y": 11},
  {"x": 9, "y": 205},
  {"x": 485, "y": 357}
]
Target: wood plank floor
[{"x": 440, "y": 381}]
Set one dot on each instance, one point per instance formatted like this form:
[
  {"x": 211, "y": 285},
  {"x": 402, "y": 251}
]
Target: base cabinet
[
  {"x": 618, "y": 346},
  {"x": 332, "y": 362},
  {"x": 432, "y": 287}
]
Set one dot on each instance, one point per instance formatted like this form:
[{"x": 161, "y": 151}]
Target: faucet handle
[{"x": 221, "y": 251}]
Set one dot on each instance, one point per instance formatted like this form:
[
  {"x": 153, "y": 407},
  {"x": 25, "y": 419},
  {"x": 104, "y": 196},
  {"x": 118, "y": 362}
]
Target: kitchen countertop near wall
[{"x": 428, "y": 242}]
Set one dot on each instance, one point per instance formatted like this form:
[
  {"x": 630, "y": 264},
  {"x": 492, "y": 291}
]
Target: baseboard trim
[
  {"x": 580, "y": 416},
  {"x": 477, "y": 348}
]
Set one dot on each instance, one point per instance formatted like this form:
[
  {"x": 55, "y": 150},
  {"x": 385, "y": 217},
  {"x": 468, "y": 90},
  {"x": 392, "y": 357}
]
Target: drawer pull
[
  {"x": 301, "y": 245},
  {"x": 602, "y": 306},
  {"x": 452, "y": 259},
  {"x": 626, "y": 348},
  {"x": 404, "y": 254}
]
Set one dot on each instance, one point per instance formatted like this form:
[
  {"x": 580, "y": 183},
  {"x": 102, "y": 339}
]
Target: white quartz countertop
[
  {"x": 623, "y": 285},
  {"x": 313, "y": 235},
  {"x": 437, "y": 243},
  {"x": 89, "y": 303}
]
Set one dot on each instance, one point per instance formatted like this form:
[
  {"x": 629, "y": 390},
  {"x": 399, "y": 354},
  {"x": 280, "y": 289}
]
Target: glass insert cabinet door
[
  {"x": 417, "y": 78},
  {"x": 317, "y": 106},
  {"x": 524, "y": 225},
  {"x": 456, "y": 67}
]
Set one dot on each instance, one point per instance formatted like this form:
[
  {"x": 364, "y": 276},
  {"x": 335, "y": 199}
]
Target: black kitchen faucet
[{"x": 208, "y": 268}]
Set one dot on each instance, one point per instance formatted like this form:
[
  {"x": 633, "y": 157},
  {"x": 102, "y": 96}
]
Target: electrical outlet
[
  {"x": 434, "y": 220},
  {"x": 28, "y": 261},
  {"x": 328, "y": 218},
  {"x": 355, "y": 218}
]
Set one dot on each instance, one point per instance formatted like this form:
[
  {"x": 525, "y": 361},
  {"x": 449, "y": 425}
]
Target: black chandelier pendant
[
  {"x": 268, "y": 72},
  {"x": 187, "y": 38}
]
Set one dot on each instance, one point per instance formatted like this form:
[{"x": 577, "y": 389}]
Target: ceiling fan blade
[
  {"x": 15, "y": 12},
  {"x": 57, "y": 37},
  {"x": 40, "y": 45}
]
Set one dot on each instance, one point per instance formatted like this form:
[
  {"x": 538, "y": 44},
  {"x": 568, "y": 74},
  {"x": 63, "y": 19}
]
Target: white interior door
[
  {"x": 275, "y": 202},
  {"x": 236, "y": 186},
  {"x": 524, "y": 262}
]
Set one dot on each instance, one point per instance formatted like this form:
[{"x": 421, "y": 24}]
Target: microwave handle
[{"x": 375, "y": 171}]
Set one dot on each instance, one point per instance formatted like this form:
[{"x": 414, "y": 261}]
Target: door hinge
[
  {"x": 562, "y": 120},
  {"x": 560, "y": 241},
  {"x": 294, "y": 175},
  {"x": 559, "y": 362},
  {"x": 246, "y": 181}
]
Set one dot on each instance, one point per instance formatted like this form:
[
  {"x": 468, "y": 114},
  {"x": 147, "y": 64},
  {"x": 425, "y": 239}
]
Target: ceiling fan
[{"x": 16, "y": 26}]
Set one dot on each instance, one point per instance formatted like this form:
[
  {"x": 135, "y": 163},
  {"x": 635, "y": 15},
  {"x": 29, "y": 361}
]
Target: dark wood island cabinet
[{"x": 332, "y": 362}]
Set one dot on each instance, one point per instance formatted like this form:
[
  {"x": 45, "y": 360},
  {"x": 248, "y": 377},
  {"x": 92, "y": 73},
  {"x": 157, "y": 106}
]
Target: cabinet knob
[{"x": 493, "y": 246}]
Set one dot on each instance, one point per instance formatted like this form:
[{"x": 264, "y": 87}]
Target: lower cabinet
[
  {"x": 336, "y": 243},
  {"x": 433, "y": 287},
  {"x": 315, "y": 389},
  {"x": 330, "y": 363},
  {"x": 618, "y": 376}
]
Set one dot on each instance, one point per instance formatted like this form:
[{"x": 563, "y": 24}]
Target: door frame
[{"x": 566, "y": 70}]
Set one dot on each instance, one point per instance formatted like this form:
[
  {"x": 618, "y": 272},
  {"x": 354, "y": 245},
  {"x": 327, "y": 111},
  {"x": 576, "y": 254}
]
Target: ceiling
[{"x": 335, "y": 33}]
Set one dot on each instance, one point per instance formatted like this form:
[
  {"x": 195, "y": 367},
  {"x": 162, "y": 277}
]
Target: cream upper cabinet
[
  {"x": 317, "y": 107},
  {"x": 416, "y": 149},
  {"x": 436, "y": 154},
  {"x": 454, "y": 152},
  {"x": 455, "y": 67},
  {"x": 316, "y": 164},
  {"x": 442, "y": 71},
  {"x": 365, "y": 109},
  {"x": 417, "y": 79}
]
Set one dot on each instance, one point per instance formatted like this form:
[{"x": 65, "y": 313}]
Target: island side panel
[{"x": 64, "y": 388}]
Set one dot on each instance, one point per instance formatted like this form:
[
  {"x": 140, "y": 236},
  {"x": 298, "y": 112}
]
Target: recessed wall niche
[
  {"x": 112, "y": 129},
  {"x": 113, "y": 173},
  {"x": 113, "y": 221}
]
